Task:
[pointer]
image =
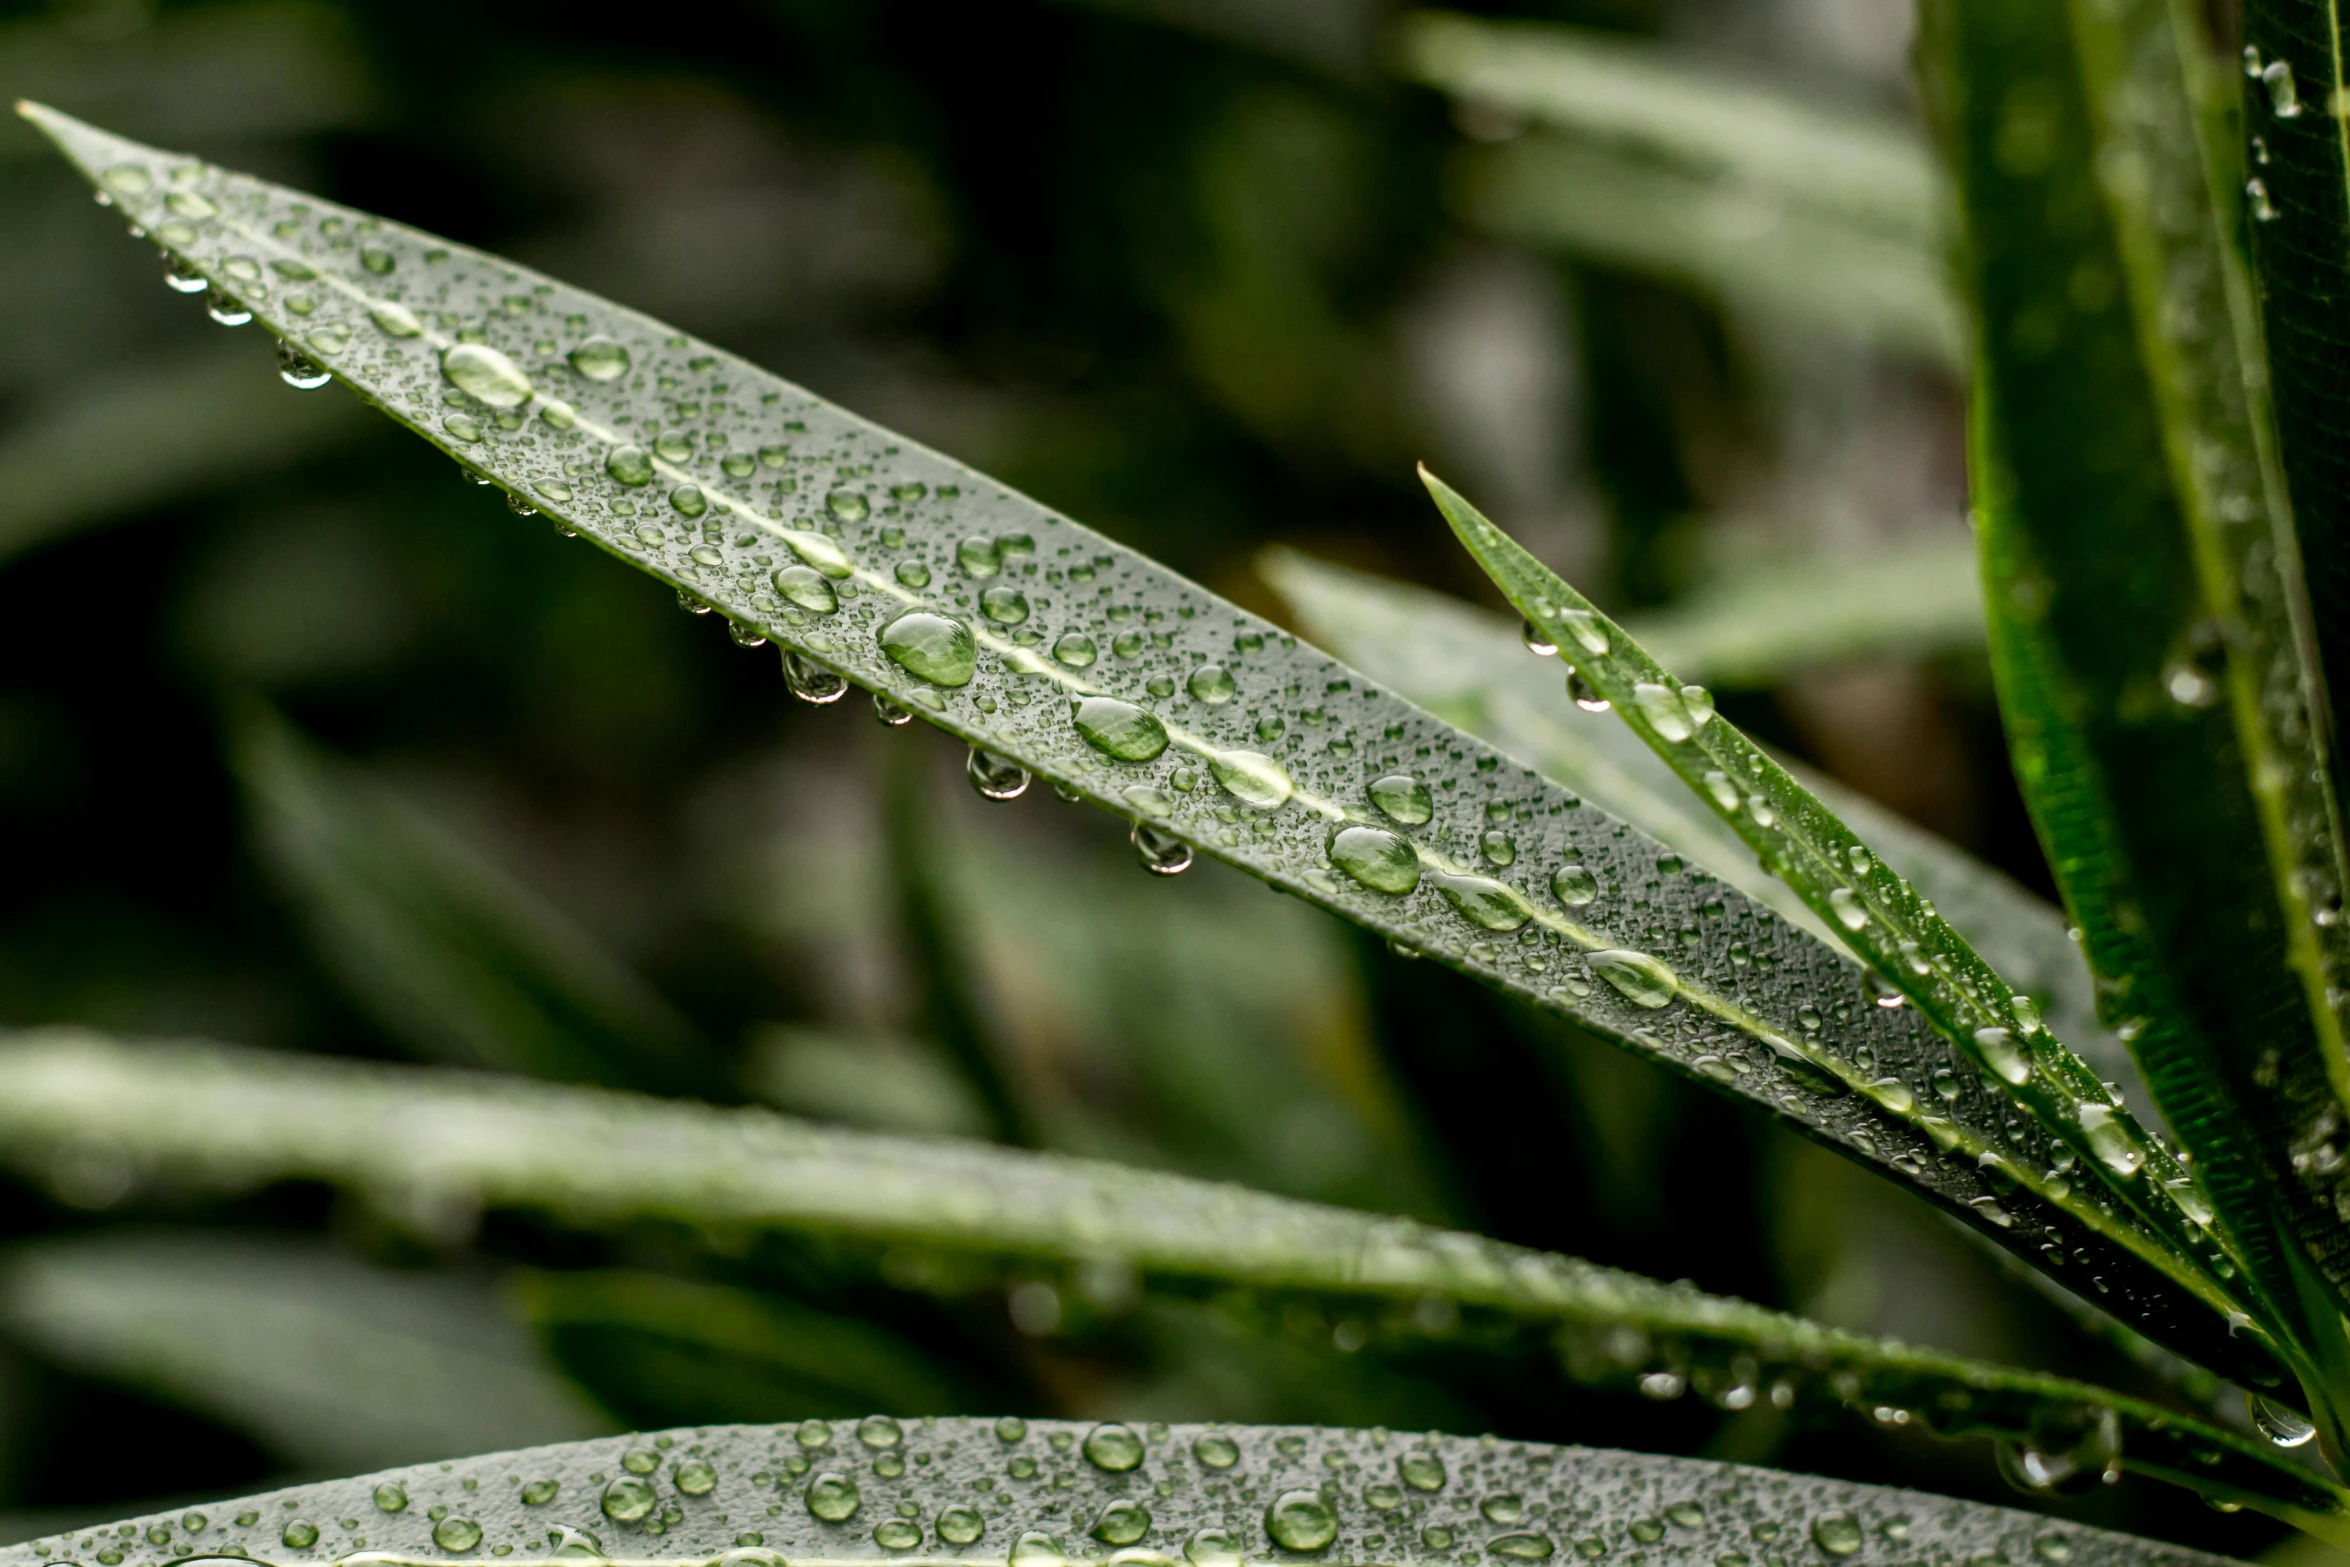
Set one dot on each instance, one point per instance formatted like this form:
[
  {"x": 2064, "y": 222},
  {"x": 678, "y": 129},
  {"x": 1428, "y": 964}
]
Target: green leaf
[
  {"x": 1664, "y": 166},
  {"x": 454, "y": 958},
  {"x": 1471, "y": 666},
  {"x": 658, "y": 1350},
  {"x": 2146, "y": 606},
  {"x": 970, "y": 1213},
  {"x": 2298, "y": 199},
  {"x": 842, "y": 1491},
  {"x": 329, "y": 1363},
  {"x": 1040, "y": 641},
  {"x": 1909, "y": 946}
]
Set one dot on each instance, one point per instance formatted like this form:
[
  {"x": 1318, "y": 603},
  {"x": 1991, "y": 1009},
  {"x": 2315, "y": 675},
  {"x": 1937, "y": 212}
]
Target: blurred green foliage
[{"x": 305, "y": 744}]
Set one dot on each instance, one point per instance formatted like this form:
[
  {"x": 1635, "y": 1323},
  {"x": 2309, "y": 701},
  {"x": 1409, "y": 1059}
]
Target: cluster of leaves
[{"x": 2159, "y": 1142}]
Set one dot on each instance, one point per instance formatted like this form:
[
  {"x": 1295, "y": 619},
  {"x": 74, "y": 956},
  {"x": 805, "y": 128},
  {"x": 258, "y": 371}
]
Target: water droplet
[
  {"x": 813, "y": 1434},
  {"x": 889, "y": 712},
  {"x": 1585, "y": 628},
  {"x": 1698, "y": 703},
  {"x": 181, "y": 278},
  {"x": 1586, "y": 695},
  {"x": 1521, "y": 1547},
  {"x": 1212, "y": 1547},
  {"x": 1034, "y": 1549},
  {"x": 933, "y": 647},
  {"x": 1893, "y": 1094},
  {"x": 132, "y": 179},
  {"x": 599, "y": 358},
  {"x": 486, "y": 375},
  {"x": 1503, "y": 1507},
  {"x": 832, "y": 1497},
  {"x": 1661, "y": 706},
  {"x": 1421, "y": 1470},
  {"x": 1492, "y": 904},
  {"x": 2280, "y": 1423},
  {"x": 2065, "y": 1449},
  {"x": 456, "y": 1534},
  {"x": 640, "y": 1461},
  {"x": 689, "y": 499},
  {"x": 298, "y": 370},
  {"x": 1836, "y": 1533},
  {"x": 1006, "y": 606},
  {"x": 996, "y": 777},
  {"x": 629, "y": 465},
  {"x": 1216, "y": 1450},
  {"x": 743, "y": 634},
  {"x": 538, "y": 1493},
  {"x": 1723, "y": 792},
  {"x": 897, "y": 1534},
  {"x": 1212, "y": 684},
  {"x": 1121, "y": 1523},
  {"x": 2284, "y": 96},
  {"x": 395, "y": 320},
  {"x": 1536, "y": 643},
  {"x": 2055, "y": 1552},
  {"x": 1119, "y": 729},
  {"x": 1851, "y": 913},
  {"x": 1301, "y": 1521},
  {"x": 806, "y": 587},
  {"x": 628, "y": 1499},
  {"x": 2110, "y": 1140},
  {"x": 1161, "y": 853},
  {"x": 2004, "y": 1056},
  {"x": 880, "y": 1432},
  {"x": 1498, "y": 849},
  {"x": 979, "y": 556},
  {"x": 1641, "y": 979},
  {"x": 820, "y": 552},
  {"x": 811, "y": 681},
  {"x": 299, "y": 1535},
  {"x": 1252, "y": 778},
  {"x": 225, "y": 307},
  {"x": 2264, "y": 210},
  {"x": 673, "y": 446},
  {"x": 1113, "y": 1447},
  {"x": 960, "y": 1525},
  {"x": 190, "y": 204},
  {"x": 1401, "y": 797},
  {"x": 1381, "y": 860},
  {"x": 1574, "y": 886},
  {"x": 390, "y": 1498}
]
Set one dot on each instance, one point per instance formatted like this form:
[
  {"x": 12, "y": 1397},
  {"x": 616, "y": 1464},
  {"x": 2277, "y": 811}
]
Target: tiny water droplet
[
  {"x": 811, "y": 681},
  {"x": 181, "y": 278},
  {"x": 996, "y": 777},
  {"x": 1639, "y": 978},
  {"x": 2264, "y": 210}
]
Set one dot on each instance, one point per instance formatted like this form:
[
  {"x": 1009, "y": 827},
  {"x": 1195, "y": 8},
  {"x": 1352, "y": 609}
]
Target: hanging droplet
[
  {"x": 2284, "y": 95},
  {"x": 298, "y": 370},
  {"x": 2280, "y": 1423},
  {"x": 745, "y": 636},
  {"x": 692, "y": 603},
  {"x": 811, "y": 681},
  {"x": 1536, "y": 643},
  {"x": 1586, "y": 694},
  {"x": 889, "y": 712},
  {"x": 996, "y": 777},
  {"x": 1161, "y": 853},
  {"x": 2256, "y": 197},
  {"x": 520, "y": 507},
  {"x": 2067, "y": 1450},
  {"x": 225, "y": 308},
  {"x": 181, "y": 278}
]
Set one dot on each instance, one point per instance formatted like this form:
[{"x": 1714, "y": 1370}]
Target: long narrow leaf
[
  {"x": 2147, "y": 608},
  {"x": 1883, "y": 917},
  {"x": 975, "y": 1491},
  {"x": 1050, "y": 648},
  {"x": 234, "y": 1119}
]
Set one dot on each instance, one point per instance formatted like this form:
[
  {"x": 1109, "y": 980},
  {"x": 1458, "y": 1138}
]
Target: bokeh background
[{"x": 302, "y": 738}]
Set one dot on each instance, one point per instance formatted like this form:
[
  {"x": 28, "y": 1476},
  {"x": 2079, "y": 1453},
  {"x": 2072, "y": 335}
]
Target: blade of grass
[
  {"x": 454, "y": 958},
  {"x": 2149, "y": 636},
  {"x": 936, "y": 1491},
  {"x": 1882, "y": 917},
  {"x": 223, "y": 1118},
  {"x": 1047, "y": 646}
]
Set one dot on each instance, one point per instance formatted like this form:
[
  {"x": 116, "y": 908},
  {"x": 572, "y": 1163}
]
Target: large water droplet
[
  {"x": 456, "y": 1534},
  {"x": 2004, "y": 1056},
  {"x": 1252, "y": 777},
  {"x": 599, "y": 358},
  {"x": 821, "y": 552},
  {"x": 485, "y": 375},
  {"x": 1421, "y": 1470},
  {"x": 1212, "y": 1547},
  {"x": 1216, "y": 1450},
  {"x": 832, "y": 1497},
  {"x": 1401, "y": 797},
  {"x": 1641, "y": 979},
  {"x": 960, "y": 1525},
  {"x": 628, "y": 1499},
  {"x": 1301, "y": 1521},
  {"x": 1661, "y": 706},
  {"x": 226, "y": 308},
  {"x": 1492, "y": 904},
  {"x": 1574, "y": 886},
  {"x": 2280, "y": 1423},
  {"x": 2284, "y": 95},
  {"x": 1113, "y": 1447},
  {"x": 1211, "y": 683},
  {"x": 1119, "y": 729},
  {"x": 933, "y": 647},
  {"x": 2109, "y": 1140},
  {"x": 1381, "y": 860},
  {"x": 995, "y": 777},
  {"x": 395, "y": 320},
  {"x": 1122, "y": 1522},
  {"x": 2071, "y": 1450},
  {"x": 806, "y": 587},
  {"x": 1836, "y": 1533}
]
